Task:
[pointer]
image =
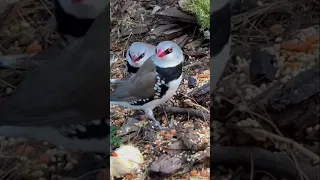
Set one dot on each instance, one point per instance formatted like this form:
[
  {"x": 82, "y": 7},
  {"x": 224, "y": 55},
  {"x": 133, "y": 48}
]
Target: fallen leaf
[
  {"x": 34, "y": 48},
  {"x": 294, "y": 45},
  {"x": 206, "y": 75}
]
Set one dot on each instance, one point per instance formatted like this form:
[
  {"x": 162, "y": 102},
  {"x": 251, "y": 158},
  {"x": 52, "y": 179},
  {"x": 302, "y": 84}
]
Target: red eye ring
[{"x": 170, "y": 49}]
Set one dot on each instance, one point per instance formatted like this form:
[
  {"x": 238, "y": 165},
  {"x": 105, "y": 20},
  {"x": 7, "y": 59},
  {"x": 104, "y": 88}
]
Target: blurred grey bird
[
  {"x": 136, "y": 55},
  {"x": 156, "y": 81},
  {"x": 220, "y": 22},
  {"x": 65, "y": 100},
  {"x": 75, "y": 17}
]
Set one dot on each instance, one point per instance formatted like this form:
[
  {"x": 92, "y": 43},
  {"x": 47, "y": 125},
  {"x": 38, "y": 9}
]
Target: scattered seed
[
  {"x": 168, "y": 136},
  {"x": 147, "y": 146},
  {"x": 194, "y": 172},
  {"x": 203, "y": 131},
  {"x": 173, "y": 131}
]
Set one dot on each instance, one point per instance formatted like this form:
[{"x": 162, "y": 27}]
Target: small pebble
[
  {"x": 249, "y": 91},
  {"x": 23, "y": 158},
  {"x": 73, "y": 161},
  {"x": 24, "y": 24},
  {"x": 8, "y": 90},
  {"x": 259, "y": 3},
  {"x": 242, "y": 108},
  {"x": 263, "y": 87},
  {"x": 309, "y": 129},
  {"x": 288, "y": 77},
  {"x": 68, "y": 166},
  {"x": 12, "y": 141},
  {"x": 217, "y": 99},
  {"x": 278, "y": 39}
]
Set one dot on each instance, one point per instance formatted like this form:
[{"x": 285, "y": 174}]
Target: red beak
[
  {"x": 134, "y": 58},
  {"x": 76, "y": 1},
  {"x": 114, "y": 154},
  {"x": 160, "y": 53}
]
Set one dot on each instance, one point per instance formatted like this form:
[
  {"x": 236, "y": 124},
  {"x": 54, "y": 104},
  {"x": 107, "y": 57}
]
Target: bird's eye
[
  {"x": 170, "y": 49},
  {"x": 141, "y": 56}
]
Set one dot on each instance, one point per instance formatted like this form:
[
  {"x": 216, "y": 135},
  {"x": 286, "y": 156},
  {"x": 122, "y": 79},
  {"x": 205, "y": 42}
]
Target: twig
[
  {"x": 294, "y": 144},
  {"x": 253, "y": 113},
  {"x": 262, "y": 160},
  {"x": 190, "y": 103},
  {"x": 192, "y": 112},
  {"x": 252, "y": 167},
  {"x": 301, "y": 173},
  {"x": 8, "y": 84},
  {"x": 267, "y": 120}
]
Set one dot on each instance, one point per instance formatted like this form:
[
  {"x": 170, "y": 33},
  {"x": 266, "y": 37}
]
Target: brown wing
[{"x": 139, "y": 86}]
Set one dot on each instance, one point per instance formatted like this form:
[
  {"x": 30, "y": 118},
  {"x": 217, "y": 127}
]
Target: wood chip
[{"x": 176, "y": 15}]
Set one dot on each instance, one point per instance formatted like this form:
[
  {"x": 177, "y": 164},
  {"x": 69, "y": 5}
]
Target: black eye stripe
[
  {"x": 130, "y": 55},
  {"x": 168, "y": 51},
  {"x": 141, "y": 56}
]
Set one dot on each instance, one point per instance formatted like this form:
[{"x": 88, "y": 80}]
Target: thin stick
[
  {"x": 189, "y": 111},
  {"x": 190, "y": 103},
  {"x": 291, "y": 142}
]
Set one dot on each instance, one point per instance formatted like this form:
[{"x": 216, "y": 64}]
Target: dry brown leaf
[
  {"x": 34, "y": 48},
  {"x": 293, "y": 45},
  {"x": 312, "y": 39},
  {"x": 206, "y": 75}
]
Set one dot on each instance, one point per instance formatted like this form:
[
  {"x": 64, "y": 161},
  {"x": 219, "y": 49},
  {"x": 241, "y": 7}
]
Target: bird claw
[{"x": 155, "y": 123}]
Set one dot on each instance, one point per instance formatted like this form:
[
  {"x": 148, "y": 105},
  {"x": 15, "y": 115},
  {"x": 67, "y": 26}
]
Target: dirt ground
[
  {"x": 27, "y": 28},
  {"x": 252, "y": 107},
  {"x": 277, "y": 113},
  {"x": 133, "y": 21}
]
